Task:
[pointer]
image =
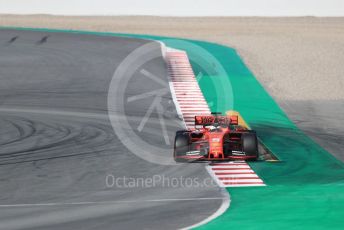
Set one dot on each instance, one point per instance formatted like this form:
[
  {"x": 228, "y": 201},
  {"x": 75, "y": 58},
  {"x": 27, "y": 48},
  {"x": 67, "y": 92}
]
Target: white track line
[
  {"x": 222, "y": 209},
  {"x": 181, "y": 88},
  {"x": 191, "y": 102}
]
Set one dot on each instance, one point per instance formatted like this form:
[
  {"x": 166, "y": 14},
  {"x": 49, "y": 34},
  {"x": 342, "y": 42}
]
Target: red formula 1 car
[{"x": 216, "y": 137}]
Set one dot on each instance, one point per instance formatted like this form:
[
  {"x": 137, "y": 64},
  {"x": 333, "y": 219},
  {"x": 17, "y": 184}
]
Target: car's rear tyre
[
  {"x": 250, "y": 145},
  {"x": 181, "y": 145}
]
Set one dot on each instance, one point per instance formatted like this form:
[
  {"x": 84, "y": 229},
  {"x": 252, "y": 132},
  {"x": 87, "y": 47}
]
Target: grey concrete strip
[{"x": 322, "y": 120}]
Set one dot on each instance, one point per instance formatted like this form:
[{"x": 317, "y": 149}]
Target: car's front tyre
[
  {"x": 250, "y": 145},
  {"x": 181, "y": 145}
]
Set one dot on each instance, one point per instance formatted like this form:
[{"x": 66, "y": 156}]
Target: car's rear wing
[{"x": 206, "y": 120}]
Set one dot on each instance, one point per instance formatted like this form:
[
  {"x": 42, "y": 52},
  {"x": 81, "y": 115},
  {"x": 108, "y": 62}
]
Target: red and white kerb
[
  {"x": 186, "y": 89},
  {"x": 190, "y": 102},
  {"x": 234, "y": 174}
]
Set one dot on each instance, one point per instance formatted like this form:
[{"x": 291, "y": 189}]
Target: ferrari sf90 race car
[{"x": 214, "y": 138}]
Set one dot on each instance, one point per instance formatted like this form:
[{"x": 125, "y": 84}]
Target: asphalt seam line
[{"x": 108, "y": 202}]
